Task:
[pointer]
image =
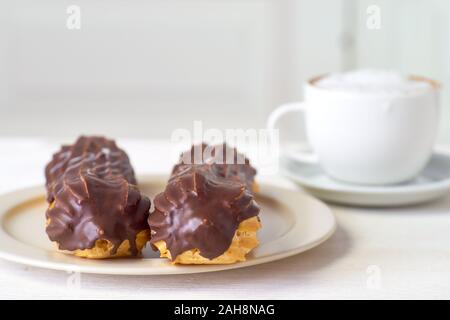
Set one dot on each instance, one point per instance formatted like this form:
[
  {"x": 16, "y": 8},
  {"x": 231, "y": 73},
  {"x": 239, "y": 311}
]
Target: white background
[{"x": 142, "y": 68}]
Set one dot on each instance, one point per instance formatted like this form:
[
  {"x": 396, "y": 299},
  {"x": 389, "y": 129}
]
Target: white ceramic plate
[
  {"x": 292, "y": 223},
  {"x": 433, "y": 182}
]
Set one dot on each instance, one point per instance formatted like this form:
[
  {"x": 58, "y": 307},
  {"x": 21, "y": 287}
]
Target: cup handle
[{"x": 306, "y": 156}]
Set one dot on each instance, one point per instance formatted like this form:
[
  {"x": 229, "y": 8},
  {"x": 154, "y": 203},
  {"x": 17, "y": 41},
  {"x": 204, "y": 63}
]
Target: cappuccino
[
  {"x": 368, "y": 127},
  {"x": 373, "y": 81}
]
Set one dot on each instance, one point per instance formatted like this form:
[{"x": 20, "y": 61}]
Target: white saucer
[
  {"x": 433, "y": 182},
  {"x": 292, "y": 222}
]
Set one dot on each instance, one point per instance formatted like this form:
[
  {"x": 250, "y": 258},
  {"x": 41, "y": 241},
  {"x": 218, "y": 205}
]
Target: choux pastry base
[
  {"x": 103, "y": 248},
  {"x": 243, "y": 242}
]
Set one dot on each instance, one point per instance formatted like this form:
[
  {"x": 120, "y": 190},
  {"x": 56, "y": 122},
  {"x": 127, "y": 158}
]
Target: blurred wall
[{"x": 143, "y": 68}]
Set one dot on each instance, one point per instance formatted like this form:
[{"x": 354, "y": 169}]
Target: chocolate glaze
[
  {"x": 202, "y": 206},
  {"x": 119, "y": 161},
  {"x": 93, "y": 195},
  {"x": 225, "y": 161}
]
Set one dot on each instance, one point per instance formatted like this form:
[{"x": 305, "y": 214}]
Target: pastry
[
  {"x": 95, "y": 207},
  {"x": 207, "y": 213}
]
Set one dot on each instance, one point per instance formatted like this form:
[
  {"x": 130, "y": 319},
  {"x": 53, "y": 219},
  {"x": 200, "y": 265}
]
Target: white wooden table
[{"x": 375, "y": 253}]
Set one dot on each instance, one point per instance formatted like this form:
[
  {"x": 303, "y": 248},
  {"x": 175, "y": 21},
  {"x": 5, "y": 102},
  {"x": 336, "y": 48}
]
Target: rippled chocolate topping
[
  {"x": 202, "y": 207},
  {"x": 225, "y": 161},
  {"x": 118, "y": 159},
  {"x": 93, "y": 195}
]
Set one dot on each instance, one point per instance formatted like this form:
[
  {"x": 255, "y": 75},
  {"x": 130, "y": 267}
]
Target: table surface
[{"x": 375, "y": 253}]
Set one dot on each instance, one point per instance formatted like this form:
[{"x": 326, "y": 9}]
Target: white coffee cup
[{"x": 367, "y": 137}]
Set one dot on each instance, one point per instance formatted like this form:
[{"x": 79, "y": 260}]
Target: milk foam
[{"x": 372, "y": 81}]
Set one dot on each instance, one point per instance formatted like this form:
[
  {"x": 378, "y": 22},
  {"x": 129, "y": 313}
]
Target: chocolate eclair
[
  {"x": 95, "y": 207},
  {"x": 207, "y": 213}
]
